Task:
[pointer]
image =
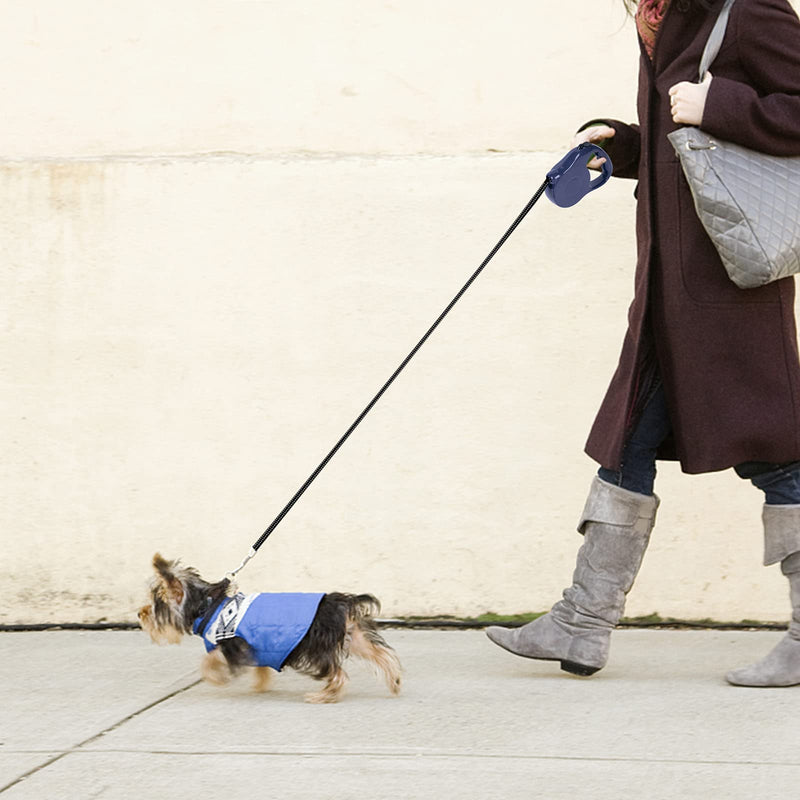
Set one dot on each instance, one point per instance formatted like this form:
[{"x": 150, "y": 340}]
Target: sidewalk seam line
[
  {"x": 80, "y": 750},
  {"x": 76, "y": 748}
]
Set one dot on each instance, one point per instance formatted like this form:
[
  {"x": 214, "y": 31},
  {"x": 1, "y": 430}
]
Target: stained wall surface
[{"x": 224, "y": 224}]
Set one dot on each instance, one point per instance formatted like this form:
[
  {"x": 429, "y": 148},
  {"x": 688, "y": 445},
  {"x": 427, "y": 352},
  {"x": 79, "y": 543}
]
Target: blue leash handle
[{"x": 569, "y": 180}]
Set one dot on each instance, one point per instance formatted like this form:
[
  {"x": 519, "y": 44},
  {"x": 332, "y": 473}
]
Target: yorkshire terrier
[{"x": 311, "y": 633}]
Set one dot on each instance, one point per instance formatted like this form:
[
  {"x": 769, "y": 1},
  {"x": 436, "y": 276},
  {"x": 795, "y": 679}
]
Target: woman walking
[{"x": 709, "y": 373}]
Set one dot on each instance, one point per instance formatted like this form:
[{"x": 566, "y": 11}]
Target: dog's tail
[{"x": 365, "y": 640}]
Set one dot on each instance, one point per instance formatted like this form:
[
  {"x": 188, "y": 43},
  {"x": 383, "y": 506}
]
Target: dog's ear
[
  {"x": 165, "y": 571},
  {"x": 219, "y": 590},
  {"x": 163, "y": 567}
]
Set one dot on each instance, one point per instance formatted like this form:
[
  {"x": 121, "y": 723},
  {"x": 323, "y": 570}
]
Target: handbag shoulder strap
[{"x": 715, "y": 39}]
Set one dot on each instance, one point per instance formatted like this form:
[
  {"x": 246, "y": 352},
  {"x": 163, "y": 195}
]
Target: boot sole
[{"x": 578, "y": 669}]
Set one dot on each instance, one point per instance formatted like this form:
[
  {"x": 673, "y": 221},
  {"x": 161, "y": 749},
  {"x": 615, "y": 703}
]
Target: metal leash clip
[{"x": 231, "y": 576}]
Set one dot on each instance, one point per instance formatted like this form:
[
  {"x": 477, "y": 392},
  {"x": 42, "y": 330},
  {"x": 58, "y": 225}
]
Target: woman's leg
[
  {"x": 779, "y": 482},
  {"x": 616, "y": 523},
  {"x": 637, "y": 473},
  {"x": 781, "y": 516}
]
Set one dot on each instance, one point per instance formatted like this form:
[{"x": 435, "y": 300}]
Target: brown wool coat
[{"x": 727, "y": 356}]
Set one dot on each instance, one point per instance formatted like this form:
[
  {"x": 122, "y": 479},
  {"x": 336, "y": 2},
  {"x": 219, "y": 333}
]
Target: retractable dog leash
[{"x": 565, "y": 184}]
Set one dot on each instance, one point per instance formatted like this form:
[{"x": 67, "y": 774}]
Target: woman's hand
[
  {"x": 688, "y": 101},
  {"x": 597, "y": 134}
]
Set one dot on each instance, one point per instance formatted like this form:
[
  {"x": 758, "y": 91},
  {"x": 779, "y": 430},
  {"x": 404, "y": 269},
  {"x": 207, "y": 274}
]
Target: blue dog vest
[{"x": 271, "y": 623}]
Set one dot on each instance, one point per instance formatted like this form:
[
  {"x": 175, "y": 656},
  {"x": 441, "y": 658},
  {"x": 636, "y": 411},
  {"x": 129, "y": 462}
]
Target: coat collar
[{"x": 680, "y": 29}]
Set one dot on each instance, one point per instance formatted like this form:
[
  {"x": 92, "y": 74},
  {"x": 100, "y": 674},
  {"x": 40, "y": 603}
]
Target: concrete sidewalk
[{"x": 109, "y": 715}]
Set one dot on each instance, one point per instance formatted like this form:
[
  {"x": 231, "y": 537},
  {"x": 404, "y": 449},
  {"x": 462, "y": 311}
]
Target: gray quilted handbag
[{"x": 748, "y": 202}]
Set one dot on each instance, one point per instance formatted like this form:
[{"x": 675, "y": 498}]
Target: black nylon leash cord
[{"x": 288, "y": 507}]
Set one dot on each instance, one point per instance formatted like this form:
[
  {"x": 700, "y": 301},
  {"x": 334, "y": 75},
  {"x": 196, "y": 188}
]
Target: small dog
[{"x": 311, "y": 633}]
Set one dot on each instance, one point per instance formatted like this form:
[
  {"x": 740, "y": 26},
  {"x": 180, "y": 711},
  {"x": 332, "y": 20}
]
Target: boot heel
[{"x": 578, "y": 669}]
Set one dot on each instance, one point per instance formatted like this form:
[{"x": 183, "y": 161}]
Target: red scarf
[{"x": 648, "y": 18}]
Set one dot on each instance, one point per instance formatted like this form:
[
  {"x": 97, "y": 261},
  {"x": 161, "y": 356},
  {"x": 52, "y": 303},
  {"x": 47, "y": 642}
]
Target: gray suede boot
[
  {"x": 616, "y": 527},
  {"x": 781, "y": 666}
]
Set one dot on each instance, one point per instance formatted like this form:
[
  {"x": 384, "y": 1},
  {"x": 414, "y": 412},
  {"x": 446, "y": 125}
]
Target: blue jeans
[{"x": 637, "y": 473}]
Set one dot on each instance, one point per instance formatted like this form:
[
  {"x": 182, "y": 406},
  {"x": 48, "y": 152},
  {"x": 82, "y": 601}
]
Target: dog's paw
[
  {"x": 215, "y": 669},
  {"x": 322, "y": 697},
  {"x": 262, "y": 679}
]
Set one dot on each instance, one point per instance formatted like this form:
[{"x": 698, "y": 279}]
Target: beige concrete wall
[{"x": 223, "y": 226}]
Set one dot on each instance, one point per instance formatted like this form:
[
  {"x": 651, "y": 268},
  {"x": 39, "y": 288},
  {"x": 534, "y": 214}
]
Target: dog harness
[{"x": 271, "y": 623}]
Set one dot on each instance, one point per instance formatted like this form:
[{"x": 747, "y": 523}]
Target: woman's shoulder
[
  {"x": 777, "y": 8},
  {"x": 764, "y": 24}
]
